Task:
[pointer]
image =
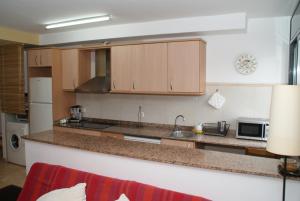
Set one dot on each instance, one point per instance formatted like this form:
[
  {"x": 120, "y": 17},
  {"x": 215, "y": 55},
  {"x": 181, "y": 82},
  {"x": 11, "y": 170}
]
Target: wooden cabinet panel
[
  {"x": 46, "y": 57},
  {"x": 77, "y": 131},
  {"x": 70, "y": 64},
  {"x": 136, "y": 62},
  {"x": 34, "y": 58},
  {"x": 12, "y": 79},
  {"x": 89, "y": 132},
  {"x": 153, "y": 77},
  {"x": 40, "y": 57},
  {"x": 178, "y": 143},
  {"x": 121, "y": 79},
  {"x": 113, "y": 135},
  {"x": 76, "y": 68},
  {"x": 140, "y": 68},
  {"x": 184, "y": 67},
  {"x": 159, "y": 68},
  {"x": 260, "y": 152}
]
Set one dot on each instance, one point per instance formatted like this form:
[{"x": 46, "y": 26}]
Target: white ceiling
[{"x": 32, "y": 15}]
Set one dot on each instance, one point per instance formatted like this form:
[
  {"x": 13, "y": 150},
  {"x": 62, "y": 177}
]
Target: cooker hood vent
[{"x": 101, "y": 82}]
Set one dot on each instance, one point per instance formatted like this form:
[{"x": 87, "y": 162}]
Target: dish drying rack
[{"x": 214, "y": 129}]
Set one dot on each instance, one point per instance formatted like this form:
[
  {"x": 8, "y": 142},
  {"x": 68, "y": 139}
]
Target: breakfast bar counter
[
  {"x": 216, "y": 175},
  {"x": 161, "y": 153}
]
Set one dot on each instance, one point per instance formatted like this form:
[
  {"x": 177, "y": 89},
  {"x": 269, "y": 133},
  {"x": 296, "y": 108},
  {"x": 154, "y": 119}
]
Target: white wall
[
  {"x": 247, "y": 101},
  {"x": 232, "y": 21},
  {"x": 266, "y": 39}
]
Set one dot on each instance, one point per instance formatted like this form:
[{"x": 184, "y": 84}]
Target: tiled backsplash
[{"x": 241, "y": 100}]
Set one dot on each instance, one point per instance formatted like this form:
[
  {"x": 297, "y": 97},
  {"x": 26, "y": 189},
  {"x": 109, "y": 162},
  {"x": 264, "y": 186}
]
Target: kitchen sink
[{"x": 182, "y": 134}]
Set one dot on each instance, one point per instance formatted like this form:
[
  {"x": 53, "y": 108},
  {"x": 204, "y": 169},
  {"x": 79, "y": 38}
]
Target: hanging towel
[{"x": 216, "y": 100}]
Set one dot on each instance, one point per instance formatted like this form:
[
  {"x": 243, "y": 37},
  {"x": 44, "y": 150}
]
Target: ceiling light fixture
[{"x": 78, "y": 21}]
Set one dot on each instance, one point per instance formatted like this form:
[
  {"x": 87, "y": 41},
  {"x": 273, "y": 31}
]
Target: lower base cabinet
[{"x": 89, "y": 132}]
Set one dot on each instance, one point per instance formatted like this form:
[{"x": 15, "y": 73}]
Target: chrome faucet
[
  {"x": 140, "y": 115},
  {"x": 176, "y": 127}
]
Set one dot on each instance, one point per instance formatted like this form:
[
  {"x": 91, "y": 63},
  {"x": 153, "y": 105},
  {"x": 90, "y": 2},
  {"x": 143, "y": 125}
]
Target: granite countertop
[
  {"x": 162, "y": 153},
  {"x": 160, "y": 131},
  {"x": 228, "y": 140}
]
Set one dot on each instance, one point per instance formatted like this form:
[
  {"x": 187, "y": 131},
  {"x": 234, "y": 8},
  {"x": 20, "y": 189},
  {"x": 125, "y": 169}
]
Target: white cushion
[
  {"x": 123, "y": 198},
  {"x": 74, "y": 193}
]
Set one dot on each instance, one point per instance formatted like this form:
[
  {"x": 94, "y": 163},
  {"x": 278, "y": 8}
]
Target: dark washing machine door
[{"x": 15, "y": 142}]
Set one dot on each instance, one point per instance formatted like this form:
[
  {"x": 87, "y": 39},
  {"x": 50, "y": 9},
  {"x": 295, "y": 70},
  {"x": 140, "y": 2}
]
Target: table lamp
[{"x": 284, "y": 136}]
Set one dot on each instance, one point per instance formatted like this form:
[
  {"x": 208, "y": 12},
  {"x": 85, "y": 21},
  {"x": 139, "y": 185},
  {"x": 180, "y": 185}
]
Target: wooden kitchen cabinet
[
  {"x": 12, "y": 79},
  {"x": 159, "y": 68},
  {"x": 76, "y": 68},
  {"x": 122, "y": 59},
  {"x": 153, "y": 73},
  {"x": 61, "y": 100},
  {"x": 77, "y": 131},
  {"x": 186, "y": 67},
  {"x": 89, "y": 132},
  {"x": 40, "y": 57},
  {"x": 178, "y": 143},
  {"x": 113, "y": 135},
  {"x": 139, "y": 68}
]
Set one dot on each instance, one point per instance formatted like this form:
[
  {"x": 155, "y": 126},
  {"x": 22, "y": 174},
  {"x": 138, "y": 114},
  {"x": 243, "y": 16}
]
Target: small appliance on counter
[
  {"x": 75, "y": 113},
  {"x": 252, "y": 128},
  {"x": 219, "y": 129}
]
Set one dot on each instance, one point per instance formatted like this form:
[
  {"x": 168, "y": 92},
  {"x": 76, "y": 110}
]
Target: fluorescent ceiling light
[{"x": 78, "y": 21}]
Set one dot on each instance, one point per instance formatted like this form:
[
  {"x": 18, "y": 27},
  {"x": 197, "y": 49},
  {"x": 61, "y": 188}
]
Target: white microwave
[{"x": 252, "y": 128}]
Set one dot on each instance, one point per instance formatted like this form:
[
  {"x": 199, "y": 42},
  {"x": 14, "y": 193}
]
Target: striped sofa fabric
[{"x": 43, "y": 178}]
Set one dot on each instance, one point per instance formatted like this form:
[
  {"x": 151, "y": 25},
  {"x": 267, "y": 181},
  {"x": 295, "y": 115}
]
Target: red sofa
[{"x": 43, "y": 178}]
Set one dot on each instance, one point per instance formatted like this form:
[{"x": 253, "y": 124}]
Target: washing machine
[{"x": 15, "y": 145}]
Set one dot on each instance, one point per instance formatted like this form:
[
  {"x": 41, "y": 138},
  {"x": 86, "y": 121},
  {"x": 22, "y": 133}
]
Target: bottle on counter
[{"x": 198, "y": 129}]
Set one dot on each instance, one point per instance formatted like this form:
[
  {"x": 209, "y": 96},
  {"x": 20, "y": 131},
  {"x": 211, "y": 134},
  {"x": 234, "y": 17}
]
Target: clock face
[{"x": 246, "y": 64}]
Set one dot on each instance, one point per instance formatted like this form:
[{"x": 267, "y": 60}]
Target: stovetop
[{"x": 89, "y": 125}]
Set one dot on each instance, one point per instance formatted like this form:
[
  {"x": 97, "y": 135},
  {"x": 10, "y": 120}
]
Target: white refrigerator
[{"x": 40, "y": 107}]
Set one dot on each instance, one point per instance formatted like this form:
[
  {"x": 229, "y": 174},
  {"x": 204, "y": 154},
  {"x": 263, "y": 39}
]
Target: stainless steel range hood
[{"x": 101, "y": 82}]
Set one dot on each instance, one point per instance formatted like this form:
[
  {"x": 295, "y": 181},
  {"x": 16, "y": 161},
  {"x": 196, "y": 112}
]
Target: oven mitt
[{"x": 216, "y": 100}]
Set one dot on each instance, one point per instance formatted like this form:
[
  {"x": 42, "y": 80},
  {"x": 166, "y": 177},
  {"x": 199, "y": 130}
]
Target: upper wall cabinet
[
  {"x": 186, "y": 67},
  {"x": 159, "y": 68},
  {"x": 139, "y": 68},
  {"x": 76, "y": 68},
  {"x": 40, "y": 57},
  {"x": 151, "y": 75},
  {"x": 122, "y": 61}
]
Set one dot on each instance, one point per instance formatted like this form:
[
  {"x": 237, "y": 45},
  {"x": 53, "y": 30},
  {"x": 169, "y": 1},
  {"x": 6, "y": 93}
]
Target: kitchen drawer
[
  {"x": 260, "y": 152},
  {"x": 113, "y": 135},
  {"x": 178, "y": 143}
]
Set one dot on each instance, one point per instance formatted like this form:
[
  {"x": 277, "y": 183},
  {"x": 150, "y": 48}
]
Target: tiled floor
[{"x": 11, "y": 174}]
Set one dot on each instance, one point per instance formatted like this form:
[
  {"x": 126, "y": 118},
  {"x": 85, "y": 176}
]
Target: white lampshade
[{"x": 284, "y": 136}]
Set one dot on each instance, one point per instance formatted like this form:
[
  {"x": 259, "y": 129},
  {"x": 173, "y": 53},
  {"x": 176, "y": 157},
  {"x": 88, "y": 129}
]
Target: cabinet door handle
[
  {"x": 133, "y": 86},
  {"x": 41, "y": 60},
  {"x": 114, "y": 84},
  {"x": 74, "y": 84},
  {"x": 171, "y": 86},
  {"x": 35, "y": 59}
]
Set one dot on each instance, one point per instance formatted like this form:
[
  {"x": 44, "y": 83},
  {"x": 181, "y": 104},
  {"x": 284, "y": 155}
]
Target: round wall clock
[{"x": 245, "y": 64}]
